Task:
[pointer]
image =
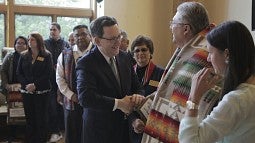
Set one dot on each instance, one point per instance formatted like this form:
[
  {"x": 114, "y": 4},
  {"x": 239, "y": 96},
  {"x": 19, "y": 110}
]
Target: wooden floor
[
  {"x": 61, "y": 141},
  {"x": 18, "y": 140},
  {"x": 16, "y": 134}
]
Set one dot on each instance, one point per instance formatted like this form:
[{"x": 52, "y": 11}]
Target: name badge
[
  {"x": 40, "y": 59},
  {"x": 153, "y": 83}
]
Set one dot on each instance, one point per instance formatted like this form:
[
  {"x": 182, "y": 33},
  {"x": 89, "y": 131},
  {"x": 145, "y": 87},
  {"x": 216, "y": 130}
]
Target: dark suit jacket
[{"x": 97, "y": 88}]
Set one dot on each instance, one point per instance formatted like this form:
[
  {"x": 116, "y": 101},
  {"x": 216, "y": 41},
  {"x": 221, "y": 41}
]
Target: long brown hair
[
  {"x": 40, "y": 43},
  {"x": 235, "y": 37}
]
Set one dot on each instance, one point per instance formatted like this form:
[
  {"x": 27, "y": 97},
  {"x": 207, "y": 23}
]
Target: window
[
  {"x": 67, "y": 24},
  {"x": 57, "y": 3},
  {"x": 2, "y": 33},
  {"x": 20, "y": 17},
  {"x": 25, "y": 24}
]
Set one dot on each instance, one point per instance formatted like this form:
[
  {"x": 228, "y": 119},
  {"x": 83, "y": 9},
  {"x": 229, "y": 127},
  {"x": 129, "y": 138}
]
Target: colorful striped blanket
[{"x": 169, "y": 104}]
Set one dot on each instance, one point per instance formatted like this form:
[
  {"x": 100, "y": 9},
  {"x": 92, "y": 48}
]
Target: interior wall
[
  {"x": 222, "y": 10},
  {"x": 151, "y": 18},
  {"x": 147, "y": 17}
]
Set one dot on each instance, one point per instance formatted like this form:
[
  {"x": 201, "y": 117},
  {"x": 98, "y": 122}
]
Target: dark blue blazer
[
  {"x": 97, "y": 89},
  {"x": 38, "y": 73}
]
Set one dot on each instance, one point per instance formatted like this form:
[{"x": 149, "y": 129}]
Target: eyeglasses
[
  {"x": 142, "y": 50},
  {"x": 171, "y": 23},
  {"x": 20, "y": 43},
  {"x": 81, "y": 35},
  {"x": 114, "y": 39}
]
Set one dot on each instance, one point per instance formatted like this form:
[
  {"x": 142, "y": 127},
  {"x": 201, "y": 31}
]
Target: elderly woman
[{"x": 148, "y": 73}]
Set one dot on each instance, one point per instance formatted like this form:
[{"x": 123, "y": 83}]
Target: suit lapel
[
  {"x": 120, "y": 65},
  {"x": 108, "y": 71}
]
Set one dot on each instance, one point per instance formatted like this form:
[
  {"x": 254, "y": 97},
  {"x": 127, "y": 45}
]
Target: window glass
[
  {"x": 1, "y": 1},
  {"x": 2, "y": 33},
  {"x": 25, "y": 24},
  {"x": 67, "y": 24},
  {"x": 57, "y": 3},
  {"x": 2, "y": 38}
]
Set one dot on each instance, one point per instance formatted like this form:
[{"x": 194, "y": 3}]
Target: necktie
[{"x": 114, "y": 68}]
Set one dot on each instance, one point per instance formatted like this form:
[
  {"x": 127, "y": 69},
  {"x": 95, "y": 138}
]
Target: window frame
[{"x": 12, "y": 9}]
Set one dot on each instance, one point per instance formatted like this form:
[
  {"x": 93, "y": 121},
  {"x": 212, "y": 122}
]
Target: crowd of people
[{"x": 94, "y": 88}]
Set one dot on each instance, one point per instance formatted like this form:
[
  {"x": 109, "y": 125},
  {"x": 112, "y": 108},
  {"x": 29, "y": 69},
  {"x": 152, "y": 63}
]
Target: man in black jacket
[
  {"x": 55, "y": 44},
  {"x": 107, "y": 86}
]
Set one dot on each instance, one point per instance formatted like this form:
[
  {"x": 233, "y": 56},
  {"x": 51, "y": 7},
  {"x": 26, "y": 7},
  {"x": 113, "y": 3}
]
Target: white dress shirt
[
  {"x": 108, "y": 61},
  {"x": 62, "y": 84}
]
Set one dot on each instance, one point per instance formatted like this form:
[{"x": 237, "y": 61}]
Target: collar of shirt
[
  {"x": 106, "y": 57},
  {"x": 79, "y": 52}
]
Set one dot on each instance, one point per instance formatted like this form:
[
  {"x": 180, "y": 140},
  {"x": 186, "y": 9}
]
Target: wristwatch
[{"x": 191, "y": 105}]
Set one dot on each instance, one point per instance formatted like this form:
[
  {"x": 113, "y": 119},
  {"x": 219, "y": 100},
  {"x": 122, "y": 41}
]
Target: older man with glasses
[
  {"x": 189, "y": 27},
  {"x": 66, "y": 80}
]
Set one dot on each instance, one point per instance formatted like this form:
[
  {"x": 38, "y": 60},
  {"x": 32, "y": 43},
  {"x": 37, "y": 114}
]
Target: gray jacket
[{"x": 7, "y": 71}]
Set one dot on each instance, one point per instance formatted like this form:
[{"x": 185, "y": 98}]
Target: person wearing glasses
[
  {"x": 10, "y": 63},
  {"x": 108, "y": 88},
  {"x": 148, "y": 74},
  {"x": 66, "y": 80},
  {"x": 9, "y": 78},
  {"x": 189, "y": 27}
]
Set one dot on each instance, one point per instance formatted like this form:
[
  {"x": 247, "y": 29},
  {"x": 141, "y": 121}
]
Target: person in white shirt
[
  {"x": 232, "y": 54},
  {"x": 66, "y": 80}
]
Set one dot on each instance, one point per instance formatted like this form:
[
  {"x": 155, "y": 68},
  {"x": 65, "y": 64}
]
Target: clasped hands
[
  {"x": 128, "y": 103},
  {"x": 30, "y": 87}
]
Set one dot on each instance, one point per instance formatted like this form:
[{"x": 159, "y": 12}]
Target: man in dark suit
[{"x": 106, "y": 98}]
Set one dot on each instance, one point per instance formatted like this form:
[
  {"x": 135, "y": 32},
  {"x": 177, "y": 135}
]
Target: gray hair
[
  {"x": 195, "y": 15},
  {"x": 124, "y": 34}
]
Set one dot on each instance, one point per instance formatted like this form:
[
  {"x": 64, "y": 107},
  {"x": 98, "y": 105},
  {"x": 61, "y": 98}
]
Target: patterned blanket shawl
[{"x": 168, "y": 106}]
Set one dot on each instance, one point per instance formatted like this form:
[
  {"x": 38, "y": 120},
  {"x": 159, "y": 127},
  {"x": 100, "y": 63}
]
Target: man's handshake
[{"x": 128, "y": 103}]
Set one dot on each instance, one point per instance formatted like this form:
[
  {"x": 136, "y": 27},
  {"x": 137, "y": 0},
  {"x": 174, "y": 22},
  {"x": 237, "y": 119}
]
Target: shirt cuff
[{"x": 115, "y": 104}]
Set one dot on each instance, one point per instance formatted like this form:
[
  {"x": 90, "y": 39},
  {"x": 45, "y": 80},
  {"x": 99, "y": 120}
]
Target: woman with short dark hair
[{"x": 149, "y": 74}]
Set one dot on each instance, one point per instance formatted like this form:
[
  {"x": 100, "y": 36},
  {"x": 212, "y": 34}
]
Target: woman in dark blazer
[
  {"x": 148, "y": 74},
  {"x": 34, "y": 69}
]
